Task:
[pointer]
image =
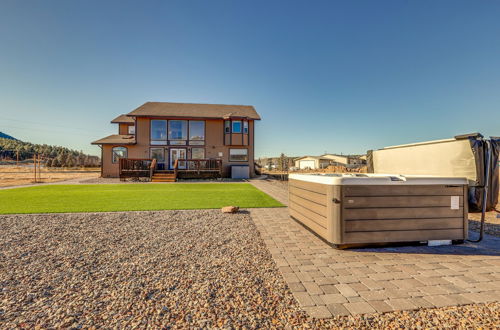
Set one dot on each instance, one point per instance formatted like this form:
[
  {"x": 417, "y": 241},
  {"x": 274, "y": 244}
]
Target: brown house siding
[
  {"x": 123, "y": 129},
  {"x": 214, "y": 144}
]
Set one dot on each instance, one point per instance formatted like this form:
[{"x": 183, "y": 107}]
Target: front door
[{"x": 177, "y": 154}]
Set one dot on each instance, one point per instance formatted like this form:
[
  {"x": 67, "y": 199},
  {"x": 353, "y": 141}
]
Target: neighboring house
[
  {"x": 178, "y": 131},
  {"x": 323, "y": 161},
  {"x": 345, "y": 160},
  {"x": 312, "y": 162},
  {"x": 338, "y": 159}
]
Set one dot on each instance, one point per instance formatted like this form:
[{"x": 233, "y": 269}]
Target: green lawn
[{"x": 131, "y": 197}]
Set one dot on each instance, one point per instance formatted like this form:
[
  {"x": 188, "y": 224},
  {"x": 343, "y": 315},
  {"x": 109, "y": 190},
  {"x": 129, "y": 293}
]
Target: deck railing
[
  {"x": 135, "y": 167},
  {"x": 152, "y": 168},
  {"x": 146, "y": 167},
  {"x": 198, "y": 166}
]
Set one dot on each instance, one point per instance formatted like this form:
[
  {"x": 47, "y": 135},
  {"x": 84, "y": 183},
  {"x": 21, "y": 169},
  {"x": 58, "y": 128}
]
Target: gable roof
[
  {"x": 194, "y": 110},
  {"x": 123, "y": 119},
  {"x": 312, "y": 157},
  {"x": 116, "y": 139},
  {"x": 334, "y": 156}
]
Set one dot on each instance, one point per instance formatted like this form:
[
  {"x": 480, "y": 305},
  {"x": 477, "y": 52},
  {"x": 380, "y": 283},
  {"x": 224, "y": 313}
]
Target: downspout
[
  {"x": 485, "y": 193},
  {"x": 102, "y": 159}
]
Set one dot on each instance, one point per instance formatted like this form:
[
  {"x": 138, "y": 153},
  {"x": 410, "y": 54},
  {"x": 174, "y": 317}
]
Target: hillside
[
  {"x": 6, "y": 136},
  {"x": 53, "y": 156}
]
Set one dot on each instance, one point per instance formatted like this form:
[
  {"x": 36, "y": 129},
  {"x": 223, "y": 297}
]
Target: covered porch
[{"x": 182, "y": 169}]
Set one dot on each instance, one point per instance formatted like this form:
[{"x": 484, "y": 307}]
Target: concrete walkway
[{"x": 328, "y": 282}]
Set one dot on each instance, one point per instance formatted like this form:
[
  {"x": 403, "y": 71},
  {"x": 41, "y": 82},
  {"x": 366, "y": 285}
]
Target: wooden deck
[{"x": 183, "y": 169}]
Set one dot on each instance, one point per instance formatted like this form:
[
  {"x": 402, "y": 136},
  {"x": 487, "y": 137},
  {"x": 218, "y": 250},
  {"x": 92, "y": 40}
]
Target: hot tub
[{"x": 358, "y": 209}]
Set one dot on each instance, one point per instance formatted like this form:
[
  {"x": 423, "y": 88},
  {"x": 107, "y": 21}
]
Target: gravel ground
[
  {"x": 491, "y": 223},
  {"x": 164, "y": 269}
]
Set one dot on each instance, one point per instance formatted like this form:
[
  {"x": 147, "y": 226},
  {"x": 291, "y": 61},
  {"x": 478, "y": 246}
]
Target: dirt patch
[{"x": 23, "y": 175}]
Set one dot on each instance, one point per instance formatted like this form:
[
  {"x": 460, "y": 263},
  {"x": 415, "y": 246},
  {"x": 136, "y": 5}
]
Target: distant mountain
[{"x": 6, "y": 136}]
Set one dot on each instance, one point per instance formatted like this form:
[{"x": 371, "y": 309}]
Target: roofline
[
  {"x": 314, "y": 157},
  {"x": 121, "y": 122},
  {"x": 116, "y": 143},
  {"x": 229, "y": 105},
  {"x": 188, "y": 117},
  {"x": 132, "y": 141},
  {"x": 118, "y": 121},
  {"x": 335, "y": 155},
  {"x": 190, "y": 103}
]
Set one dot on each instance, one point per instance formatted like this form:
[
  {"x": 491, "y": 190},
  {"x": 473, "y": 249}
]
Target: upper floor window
[
  {"x": 196, "y": 130},
  {"x": 177, "y": 129},
  {"x": 237, "y": 126},
  {"x": 227, "y": 126},
  {"x": 245, "y": 127},
  {"x": 119, "y": 152},
  {"x": 158, "y": 132},
  {"x": 131, "y": 129}
]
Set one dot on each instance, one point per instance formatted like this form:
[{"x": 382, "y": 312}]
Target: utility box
[
  {"x": 361, "y": 209},
  {"x": 240, "y": 172}
]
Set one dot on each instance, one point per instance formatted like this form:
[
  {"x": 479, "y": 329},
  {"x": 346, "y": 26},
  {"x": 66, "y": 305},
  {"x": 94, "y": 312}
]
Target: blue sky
[{"x": 335, "y": 76}]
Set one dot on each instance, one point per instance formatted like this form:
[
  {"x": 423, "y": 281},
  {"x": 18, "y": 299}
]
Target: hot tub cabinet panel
[{"x": 366, "y": 209}]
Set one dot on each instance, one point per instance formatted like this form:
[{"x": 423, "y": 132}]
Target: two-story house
[{"x": 170, "y": 132}]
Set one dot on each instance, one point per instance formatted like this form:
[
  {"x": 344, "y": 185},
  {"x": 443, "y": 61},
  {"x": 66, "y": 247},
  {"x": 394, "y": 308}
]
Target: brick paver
[
  {"x": 361, "y": 307},
  {"x": 381, "y": 306},
  {"x": 401, "y": 304},
  {"x": 319, "y": 312},
  {"x": 327, "y": 282}
]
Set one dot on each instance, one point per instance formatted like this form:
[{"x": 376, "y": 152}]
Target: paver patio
[{"x": 327, "y": 282}]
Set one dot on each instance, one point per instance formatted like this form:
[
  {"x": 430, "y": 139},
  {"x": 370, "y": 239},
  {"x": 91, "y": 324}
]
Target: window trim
[
  {"x": 113, "y": 154},
  {"x": 204, "y": 152},
  {"x": 187, "y": 130},
  {"x": 164, "y": 153},
  {"x": 158, "y": 142},
  {"x": 204, "y": 132},
  {"x": 245, "y": 126},
  {"x": 128, "y": 129},
  {"x": 241, "y": 126},
  {"x": 237, "y": 161}
]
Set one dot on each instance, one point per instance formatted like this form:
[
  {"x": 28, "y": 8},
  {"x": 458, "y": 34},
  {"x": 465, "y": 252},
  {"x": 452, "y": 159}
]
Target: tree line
[{"x": 52, "y": 156}]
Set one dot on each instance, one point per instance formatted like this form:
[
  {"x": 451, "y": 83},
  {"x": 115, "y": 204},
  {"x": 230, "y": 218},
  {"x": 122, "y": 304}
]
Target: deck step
[
  {"x": 164, "y": 176},
  {"x": 163, "y": 180}
]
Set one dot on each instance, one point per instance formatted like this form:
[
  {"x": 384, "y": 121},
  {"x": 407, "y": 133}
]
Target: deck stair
[{"x": 164, "y": 177}]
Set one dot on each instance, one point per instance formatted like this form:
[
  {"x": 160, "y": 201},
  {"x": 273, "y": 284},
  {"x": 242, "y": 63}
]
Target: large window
[
  {"x": 197, "y": 153},
  {"x": 158, "y": 132},
  {"x": 131, "y": 129},
  {"x": 237, "y": 126},
  {"x": 119, "y": 152},
  {"x": 196, "y": 132},
  {"x": 238, "y": 155},
  {"x": 158, "y": 154},
  {"x": 177, "y": 129}
]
